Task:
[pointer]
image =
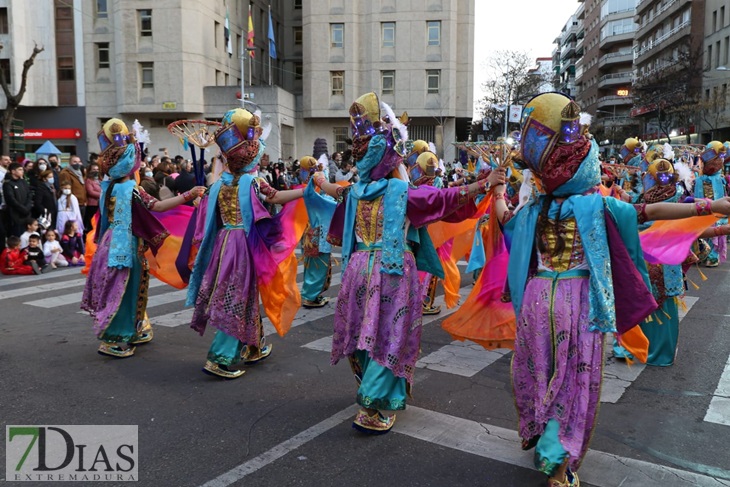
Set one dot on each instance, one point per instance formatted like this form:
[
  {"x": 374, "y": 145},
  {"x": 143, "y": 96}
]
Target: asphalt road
[{"x": 287, "y": 421}]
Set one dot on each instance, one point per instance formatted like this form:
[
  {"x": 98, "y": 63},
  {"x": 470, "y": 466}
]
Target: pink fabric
[
  {"x": 557, "y": 318},
  {"x": 428, "y": 205}
]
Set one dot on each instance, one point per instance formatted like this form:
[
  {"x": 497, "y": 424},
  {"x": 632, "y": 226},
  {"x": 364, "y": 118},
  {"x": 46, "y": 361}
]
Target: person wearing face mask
[
  {"x": 34, "y": 174},
  {"x": 44, "y": 199},
  {"x": 147, "y": 182},
  {"x": 73, "y": 176},
  {"x": 93, "y": 191},
  {"x": 68, "y": 209},
  {"x": 56, "y": 168}
]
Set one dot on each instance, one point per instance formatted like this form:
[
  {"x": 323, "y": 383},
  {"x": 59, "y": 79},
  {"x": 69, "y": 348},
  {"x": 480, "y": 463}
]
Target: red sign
[
  {"x": 642, "y": 110},
  {"x": 49, "y": 134}
]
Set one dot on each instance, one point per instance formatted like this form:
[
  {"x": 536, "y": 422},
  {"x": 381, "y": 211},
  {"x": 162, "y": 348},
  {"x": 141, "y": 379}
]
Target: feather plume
[
  {"x": 257, "y": 112},
  {"x": 668, "y": 152},
  {"x": 585, "y": 118},
  {"x": 685, "y": 174},
  {"x": 142, "y": 136},
  {"x": 432, "y": 147},
  {"x": 324, "y": 163},
  {"x": 395, "y": 121},
  {"x": 525, "y": 189},
  {"x": 266, "y": 130}
]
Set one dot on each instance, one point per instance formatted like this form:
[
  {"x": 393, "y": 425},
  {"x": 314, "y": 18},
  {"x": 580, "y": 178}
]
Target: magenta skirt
[{"x": 557, "y": 363}]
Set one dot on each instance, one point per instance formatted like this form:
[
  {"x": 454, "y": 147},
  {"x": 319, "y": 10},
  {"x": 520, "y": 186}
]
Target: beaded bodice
[
  {"x": 572, "y": 255},
  {"x": 369, "y": 221},
  {"x": 228, "y": 204}
]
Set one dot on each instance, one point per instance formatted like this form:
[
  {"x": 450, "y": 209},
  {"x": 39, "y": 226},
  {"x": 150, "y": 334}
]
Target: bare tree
[
  {"x": 511, "y": 79},
  {"x": 670, "y": 92},
  {"x": 711, "y": 111},
  {"x": 13, "y": 101}
]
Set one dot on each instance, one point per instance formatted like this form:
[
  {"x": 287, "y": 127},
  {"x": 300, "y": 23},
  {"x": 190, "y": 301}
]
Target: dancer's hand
[
  {"x": 721, "y": 206},
  {"x": 316, "y": 177},
  {"x": 198, "y": 191},
  {"x": 497, "y": 177}
]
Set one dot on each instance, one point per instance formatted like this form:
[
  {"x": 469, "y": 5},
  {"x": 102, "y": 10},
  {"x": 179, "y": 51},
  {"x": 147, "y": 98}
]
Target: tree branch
[{"x": 24, "y": 77}]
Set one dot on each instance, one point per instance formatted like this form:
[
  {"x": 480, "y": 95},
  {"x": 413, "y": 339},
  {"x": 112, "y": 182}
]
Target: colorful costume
[
  {"x": 118, "y": 280},
  {"x": 711, "y": 184},
  {"x": 662, "y": 327},
  {"x": 562, "y": 284},
  {"x": 380, "y": 225},
  {"x": 243, "y": 252},
  {"x": 315, "y": 248},
  {"x": 630, "y": 180}
]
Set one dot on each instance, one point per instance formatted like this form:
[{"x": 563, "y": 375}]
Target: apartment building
[
  {"x": 668, "y": 56},
  {"x": 605, "y": 72},
  {"x": 714, "y": 117},
  {"x": 565, "y": 55},
  {"x": 53, "y": 104},
  {"x": 419, "y": 57}
]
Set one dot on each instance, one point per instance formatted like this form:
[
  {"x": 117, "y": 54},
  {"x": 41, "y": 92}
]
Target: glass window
[
  {"x": 298, "y": 71},
  {"x": 388, "y": 34},
  {"x": 4, "y": 20},
  {"x": 340, "y": 134},
  {"x": 102, "y": 55},
  {"x": 66, "y": 68},
  {"x": 145, "y": 22},
  {"x": 434, "y": 32},
  {"x": 297, "y": 4},
  {"x": 686, "y": 16},
  {"x": 147, "y": 74},
  {"x": 387, "y": 82},
  {"x": 298, "y": 36},
  {"x": 433, "y": 80},
  {"x": 101, "y": 12},
  {"x": 614, "y": 6},
  {"x": 337, "y": 79},
  {"x": 714, "y": 21},
  {"x": 618, "y": 27},
  {"x": 337, "y": 35}
]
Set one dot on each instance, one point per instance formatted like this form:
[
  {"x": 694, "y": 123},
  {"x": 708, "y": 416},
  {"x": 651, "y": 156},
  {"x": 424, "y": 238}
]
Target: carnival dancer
[
  {"x": 316, "y": 250},
  {"x": 710, "y": 183},
  {"x": 243, "y": 252},
  {"x": 118, "y": 280},
  {"x": 568, "y": 248},
  {"x": 381, "y": 226}
]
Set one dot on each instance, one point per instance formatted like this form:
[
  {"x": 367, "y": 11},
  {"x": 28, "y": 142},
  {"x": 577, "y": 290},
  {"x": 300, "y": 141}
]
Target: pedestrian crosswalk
[{"x": 464, "y": 359}]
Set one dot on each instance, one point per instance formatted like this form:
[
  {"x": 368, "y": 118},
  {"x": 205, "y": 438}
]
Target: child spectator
[
  {"x": 31, "y": 227},
  {"x": 11, "y": 259},
  {"x": 72, "y": 243},
  {"x": 53, "y": 252},
  {"x": 68, "y": 209},
  {"x": 33, "y": 254}
]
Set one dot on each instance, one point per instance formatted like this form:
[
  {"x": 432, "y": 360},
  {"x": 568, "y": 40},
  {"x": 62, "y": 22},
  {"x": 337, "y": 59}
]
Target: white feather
[
  {"x": 585, "y": 118},
  {"x": 266, "y": 131},
  {"x": 525, "y": 189},
  {"x": 395, "y": 121},
  {"x": 403, "y": 173},
  {"x": 432, "y": 147},
  {"x": 142, "y": 136},
  {"x": 668, "y": 152},
  {"x": 442, "y": 167},
  {"x": 324, "y": 163},
  {"x": 258, "y": 113},
  {"x": 685, "y": 174}
]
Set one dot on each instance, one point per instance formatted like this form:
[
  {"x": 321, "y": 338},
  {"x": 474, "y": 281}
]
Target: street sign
[
  {"x": 169, "y": 105},
  {"x": 515, "y": 113},
  {"x": 46, "y": 133}
]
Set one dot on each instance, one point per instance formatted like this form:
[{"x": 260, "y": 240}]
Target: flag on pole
[
  {"x": 249, "y": 35},
  {"x": 227, "y": 36},
  {"x": 272, "y": 39}
]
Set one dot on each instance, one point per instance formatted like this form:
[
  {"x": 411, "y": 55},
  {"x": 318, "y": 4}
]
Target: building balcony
[
  {"x": 568, "y": 50},
  {"x": 614, "y": 101},
  {"x": 581, "y": 12},
  {"x": 615, "y": 79},
  {"x": 644, "y": 5},
  {"x": 619, "y": 121},
  {"x": 579, "y": 43},
  {"x": 579, "y": 73},
  {"x": 663, "y": 42},
  {"x": 665, "y": 12},
  {"x": 614, "y": 58},
  {"x": 612, "y": 39}
]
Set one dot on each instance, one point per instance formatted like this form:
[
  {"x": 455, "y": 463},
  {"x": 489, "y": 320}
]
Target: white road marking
[
  {"x": 461, "y": 358},
  {"x": 56, "y": 286},
  {"x": 618, "y": 376},
  {"x": 280, "y": 450},
  {"x": 73, "y": 298},
  {"x": 15, "y": 280},
  {"x": 501, "y": 444},
  {"x": 719, "y": 409}
]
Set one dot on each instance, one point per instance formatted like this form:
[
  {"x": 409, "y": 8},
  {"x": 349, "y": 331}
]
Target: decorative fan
[{"x": 195, "y": 133}]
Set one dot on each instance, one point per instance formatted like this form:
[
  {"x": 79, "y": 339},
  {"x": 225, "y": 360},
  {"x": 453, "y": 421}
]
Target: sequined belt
[
  {"x": 363, "y": 247},
  {"x": 234, "y": 227},
  {"x": 569, "y": 274}
]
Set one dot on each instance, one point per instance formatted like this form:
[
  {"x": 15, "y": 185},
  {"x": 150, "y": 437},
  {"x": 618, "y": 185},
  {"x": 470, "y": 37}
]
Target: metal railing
[
  {"x": 658, "y": 13},
  {"x": 664, "y": 37},
  {"x": 627, "y": 75}
]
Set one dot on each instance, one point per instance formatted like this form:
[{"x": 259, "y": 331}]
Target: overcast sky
[{"x": 521, "y": 25}]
